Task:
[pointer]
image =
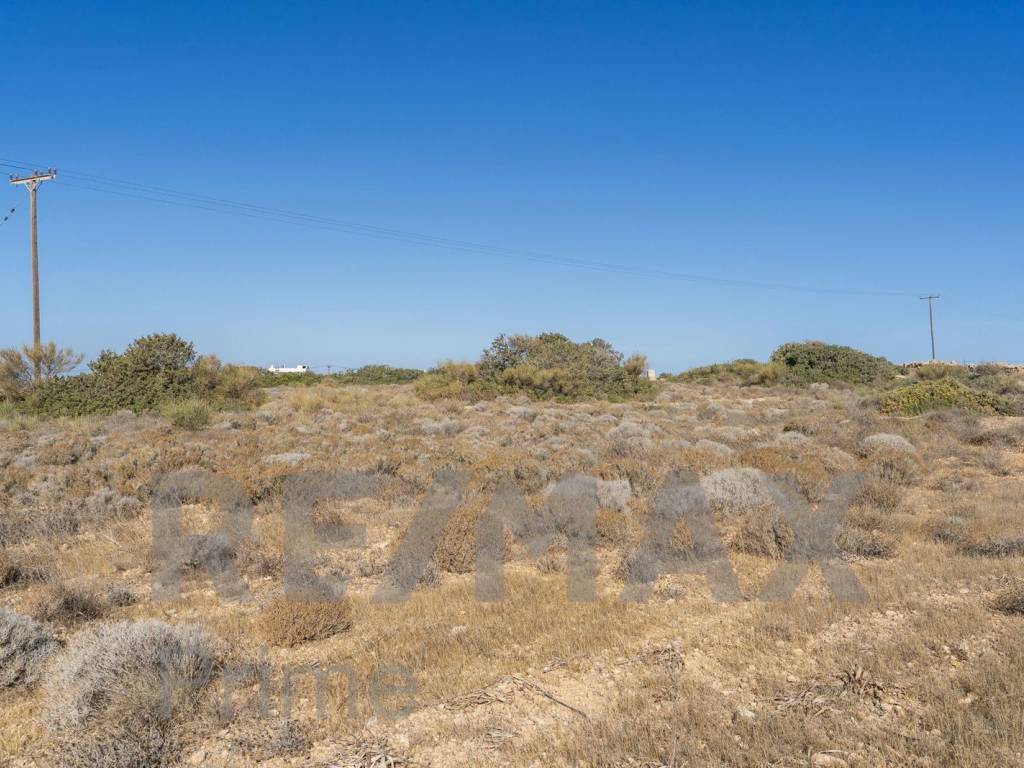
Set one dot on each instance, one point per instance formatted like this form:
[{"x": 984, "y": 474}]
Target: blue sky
[{"x": 852, "y": 146}]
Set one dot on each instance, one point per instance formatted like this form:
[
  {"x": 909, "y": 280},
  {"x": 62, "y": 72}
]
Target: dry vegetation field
[{"x": 928, "y": 672}]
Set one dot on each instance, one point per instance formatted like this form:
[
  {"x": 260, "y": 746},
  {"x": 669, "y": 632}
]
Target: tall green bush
[
  {"x": 816, "y": 361},
  {"x": 152, "y": 371},
  {"x": 548, "y": 366}
]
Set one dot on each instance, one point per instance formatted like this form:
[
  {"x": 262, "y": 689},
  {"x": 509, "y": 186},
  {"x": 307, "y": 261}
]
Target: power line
[{"x": 167, "y": 196}]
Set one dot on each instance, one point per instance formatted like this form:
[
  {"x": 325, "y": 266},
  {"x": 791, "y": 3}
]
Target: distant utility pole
[
  {"x": 931, "y": 321},
  {"x": 32, "y": 182}
]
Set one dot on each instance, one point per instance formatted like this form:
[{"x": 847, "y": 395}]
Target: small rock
[
  {"x": 743, "y": 715},
  {"x": 827, "y": 760},
  {"x": 293, "y": 458}
]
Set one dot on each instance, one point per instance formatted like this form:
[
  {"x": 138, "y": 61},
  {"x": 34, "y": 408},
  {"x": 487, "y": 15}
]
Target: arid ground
[{"x": 928, "y": 671}]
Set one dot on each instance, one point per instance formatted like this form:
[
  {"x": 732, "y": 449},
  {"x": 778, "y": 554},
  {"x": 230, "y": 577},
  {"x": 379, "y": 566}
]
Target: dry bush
[
  {"x": 615, "y": 529},
  {"x": 884, "y": 442},
  {"x": 994, "y": 460},
  {"x": 263, "y": 739},
  {"x": 120, "y": 597},
  {"x": 121, "y": 694},
  {"x": 69, "y": 603},
  {"x": 456, "y": 551},
  {"x": 1010, "y": 599},
  {"x": 63, "y": 452},
  {"x": 552, "y": 561},
  {"x": 888, "y": 477},
  {"x": 109, "y": 744},
  {"x": 10, "y": 571},
  {"x": 993, "y": 546},
  {"x": 128, "y": 672},
  {"x": 736, "y": 491},
  {"x": 644, "y": 476},
  {"x": 761, "y": 532},
  {"x": 950, "y": 529},
  {"x": 865, "y": 543},
  {"x": 287, "y": 623},
  {"x": 802, "y": 466},
  {"x": 25, "y": 647}
]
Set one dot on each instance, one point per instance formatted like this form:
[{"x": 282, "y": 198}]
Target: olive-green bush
[
  {"x": 367, "y": 374},
  {"x": 191, "y": 413},
  {"x": 815, "y": 361},
  {"x": 548, "y": 366},
  {"x": 743, "y": 372},
  {"x": 151, "y": 372},
  {"x": 923, "y": 396}
]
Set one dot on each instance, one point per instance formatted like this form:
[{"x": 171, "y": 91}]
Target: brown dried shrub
[
  {"x": 615, "y": 529},
  {"x": 761, "y": 532},
  {"x": 63, "y": 452},
  {"x": 69, "y": 603},
  {"x": 288, "y": 623},
  {"x": 456, "y": 552},
  {"x": 10, "y": 572},
  {"x": 864, "y": 543},
  {"x": 1010, "y": 599},
  {"x": 805, "y": 469}
]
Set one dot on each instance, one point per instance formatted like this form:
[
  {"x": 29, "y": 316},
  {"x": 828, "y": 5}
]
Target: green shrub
[
  {"x": 308, "y": 379},
  {"x": 548, "y": 366},
  {"x": 923, "y": 396},
  {"x": 368, "y": 374},
  {"x": 378, "y": 374},
  {"x": 743, "y": 372},
  {"x": 191, "y": 413},
  {"x": 815, "y": 361},
  {"x": 152, "y": 371}
]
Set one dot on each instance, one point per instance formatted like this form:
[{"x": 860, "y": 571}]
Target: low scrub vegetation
[
  {"x": 936, "y": 395},
  {"x": 548, "y": 366}
]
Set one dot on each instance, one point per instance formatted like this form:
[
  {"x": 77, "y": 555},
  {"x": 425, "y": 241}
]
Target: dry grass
[{"x": 928, "y": 672}]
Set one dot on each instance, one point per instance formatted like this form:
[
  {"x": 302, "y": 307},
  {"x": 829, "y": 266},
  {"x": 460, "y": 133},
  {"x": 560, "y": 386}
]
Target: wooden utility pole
[
  {"x": 931, "y": 321},
  {"x": 32, "y": 182}
]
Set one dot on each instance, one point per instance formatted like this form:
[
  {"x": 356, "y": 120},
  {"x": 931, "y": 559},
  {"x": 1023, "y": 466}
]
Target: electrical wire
[{"x": 167, "y": 196}]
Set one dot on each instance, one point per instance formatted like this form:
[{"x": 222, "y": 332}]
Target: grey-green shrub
[{"x": 120, "y": 694}]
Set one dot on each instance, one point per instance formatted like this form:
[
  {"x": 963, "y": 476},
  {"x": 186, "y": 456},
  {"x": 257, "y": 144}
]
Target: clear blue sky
[{"x": 862, "y": 146}]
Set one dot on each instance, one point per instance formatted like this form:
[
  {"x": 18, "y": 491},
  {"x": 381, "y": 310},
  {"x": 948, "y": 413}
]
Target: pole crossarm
[{"x": 34, "y": 178}]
